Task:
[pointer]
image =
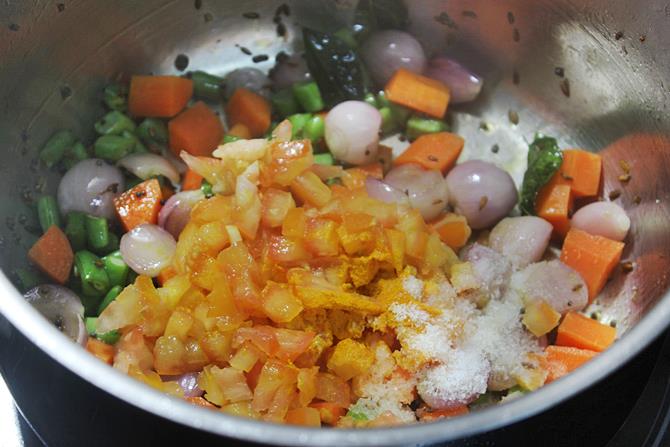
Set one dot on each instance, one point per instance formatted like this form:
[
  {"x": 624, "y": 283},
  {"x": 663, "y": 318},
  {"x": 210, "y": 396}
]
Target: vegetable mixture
[{"x": 282, "y": 264}]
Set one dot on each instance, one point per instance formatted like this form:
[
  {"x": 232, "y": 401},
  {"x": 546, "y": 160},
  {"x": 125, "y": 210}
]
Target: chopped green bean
[
  {"x": 132, "y": 276},
  {"x": 138, "y": 146},
  {"x": 298, "y": 121},
  {"x": 110, "y": 337},
  {"x": 55, "y": 148},
  {"x": 324, "y": 159},
  {"x": 206, "y": 188},
  {"x": 308, "y": 96},
  {"x": 91, "y": 324},
  {"x": 115, "y": 97},
  {"x": 114, "y": 123},
  {"x": 111, "y": 296},
  {"x": 284, "y": 103},
  {"x": 230, "y": 138},
  {"x": 75, "y": 229},
  {"x": 77, "y": 152},
  {"x": 388, "y": 123},
  {"x": 47, "y": 212},
  {"x": 97, "y": 232},
  {"x": 29, "y": 278},
  {"x": 94, "y": 279},
  {"x": 113, "y": 147},
  {"x": 111, "y": 246},
  {"x": 371, "y": 99},
  {"x": 315, "y": 128},
  {"x": 153, "y": 132},
  {"x": 417, "y": 126},
  {"x": 206, "y": 85},
  {"x": 116, "y": 268}
]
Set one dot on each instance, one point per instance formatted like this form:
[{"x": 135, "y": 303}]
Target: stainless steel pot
[{"x": 594, "y": 73}]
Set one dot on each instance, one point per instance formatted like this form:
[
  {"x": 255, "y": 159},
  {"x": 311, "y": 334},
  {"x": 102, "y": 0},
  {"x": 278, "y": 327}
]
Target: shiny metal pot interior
[{"x": 612, "y": 97}]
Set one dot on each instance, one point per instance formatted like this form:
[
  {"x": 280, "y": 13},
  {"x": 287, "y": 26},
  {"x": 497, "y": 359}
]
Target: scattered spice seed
[
  {"x": 14, "y": 27},
  {"x": 613, "y": 323},
  {"x": 615, "y": 194},
  {"x": 470, "y": 14},
  {"x": 515, "y": 35},
  {"x": 637, "y": 200},
  {"x": 61, "y": 7},
  {"x": 510, "y": 17},
  {"x": 565, "y": 87},
  {"x": 577, "y": 287},
  {"x": 208, "y": 17},
  {"x": 482, "y": 202},
  {"x": 515, "y": 77},
  {"x": 513, "y": 117},
  {"x": 283, "y": 9},
  {"x": 624, "y": 178},
  {"x": 181, "y": 62},
  {"x": 251, "y": 15},
  {"x": 559, "y": 71},
  {"x": 625, "y": 167},
  {"x": 65, "y": 92},
  {"x": 618, "y": 35},
  {"x": 197, "y": 4},
  {"x": 444, "y": 19},
  {"x": 642, "y": 38},
  {"x": 495, "y": 148},
  {"x": 484, "y": 126},
  {"x": 260, "y": 58},
  {"x": 281, "y": 30},
  {"x": 245, "y": 50},
  {"x": 627, "y": 266},
  {"x": 596, "y": 315}
]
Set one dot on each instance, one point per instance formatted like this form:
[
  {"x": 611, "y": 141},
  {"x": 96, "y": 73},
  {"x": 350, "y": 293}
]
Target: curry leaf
[
  {"x": 335, "y": 66},
  {"x": 544, "y": 159}
]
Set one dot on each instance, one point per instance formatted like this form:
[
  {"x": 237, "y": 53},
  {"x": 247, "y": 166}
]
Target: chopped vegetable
[
  {"x": 191, "y": 180},
  {"x": 94, "y": 278},
  {"x": 115, "y": 97},
  {"x": 116, "y": 268},
  {"x": 433, "y": 151},
  {"x": 579, "y": 331},
  {"x": 285, "y": 103},
  {"x": 581, "y": 170},
  {"x": 309, "y": 188},
  {"x": 139, "y": 205},
  {"x": 47, "y": 212},
  {"x": 561, "y": 360},
  {"x": 554, "y": 204},
  {"x": 111, "y": 296},
  {"x": 113, "y": 147},
  {"x": 324, "y": 159},
  {"x": 75, "y": 229},
  {"x": 453, "y": 230},
  {"x": 417, "y": 126},
  {"x": 97, "y": 232},
  {"x": 239, "y": 131},
  {"x": 197, "y": 130},
  {"x": 54, "y": 149},
  {"x": 315, "y": 128},
  {"x": 446, "y": 413},
  {"x": 418, "y": 93},
  {"x": 53, "y": 255},
  {"x": 101, "y": 350},
  {"x": 540, "y": 318},
  {"x": 593, "y": 257},
  {"x": 114, "y": 123},
  {"x": 158, "y": 96},
  {"x": 251, "y": 109},
  {"x": 308, "y": 96},
  {"x": 329, "y": 412},
  {"x": 298, "y": 122},
  {"x": 310, "y": 417},
  {"x": 207, "y": 86},
  {"x": 544, "y": 159},
  {"x": 335, "y": 67},
  {"x": 154, "y": 133}
]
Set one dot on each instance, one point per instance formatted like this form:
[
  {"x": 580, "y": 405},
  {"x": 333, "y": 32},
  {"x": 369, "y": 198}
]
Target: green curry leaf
[{"x": 544, "y": 159}]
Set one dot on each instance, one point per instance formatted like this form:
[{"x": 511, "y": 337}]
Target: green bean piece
[
  {"x": 77, "y": 152},
  {"x": 382, "y": 100},
  {"x": 114, "y": 123},
  {"x": 417, "y": 126},
  {"x": 206, "y": 86},
  {"x": 29, "y": 278},
  {"x": 284, "y": 103},
  {"x": 97, "y": 232},
  {"x": 110, "y": 337},
  {"x": 113, "y": 147},
  {"x": 371, "y": 99},
  {"x": 116, "y": 268},
  {"x": 94, "y": 279},
  {"x": 91, "y": 324},
  {"x": 314, "y": 129},
  {"x": 230, "y": 138},
  {"x": 115, "y": 97},
  {"x": 298, "y": 121},
  {"x": 388, "y": 123},
  {"x": 324, "y": 159},
  {"x": 308, "y": 96},
  {"x": 56, "y": 146},
  {"x": 206, "y": 188},
  {"x": 111, "y": 296},
  {"x": 111, "y": 246},
  {"x": 47, "y": 212},
  {"x": 138, "y": 146},
  {"x": 75, "y": 229},
  {"x": 153, "y": 132},
  {"x": 347, "y": 36}
]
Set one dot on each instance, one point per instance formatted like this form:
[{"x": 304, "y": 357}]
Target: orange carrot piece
[
  {"x": 250, "y": 109},
  {"x": 330, "y": 413},
  {"x": 593, "y": 257},
  {"x": 158, "y": 96},
  {"x": 554, "y": 204},
  {"x": 579, "y": 331},
  {"x": 437, "y": 151},
  {"x": 166, "y": 274},
  {"x": 561, "y": 360},
  {"x": 447, "y": 413},
  {"x": 140, "y": 204},
  {"x": 307, "y": 416},
  {"x": 53, "y": 255},
  {"x": 239, "y": 130},
  {"x": 101, "y": 350},
  {"x": 418, "y": 93},
  {"x": 375, "y": 170},
  {"x": 581, "y": 170},
  {"x": 197, "y": 130},
  {"x": 191, "y": 181},
  {"x": 453, "y": 230}
]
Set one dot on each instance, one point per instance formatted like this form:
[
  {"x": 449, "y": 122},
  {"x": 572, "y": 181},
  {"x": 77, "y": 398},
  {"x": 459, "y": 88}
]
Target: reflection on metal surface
[{"x": 10, "y": 433}]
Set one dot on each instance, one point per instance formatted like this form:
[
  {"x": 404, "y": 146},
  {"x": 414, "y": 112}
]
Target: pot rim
[{"x": 31, "y": 324}]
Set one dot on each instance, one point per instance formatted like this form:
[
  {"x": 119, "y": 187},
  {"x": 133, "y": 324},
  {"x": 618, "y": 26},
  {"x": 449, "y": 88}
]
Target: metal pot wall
[{"x": 594, "y": 73}]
